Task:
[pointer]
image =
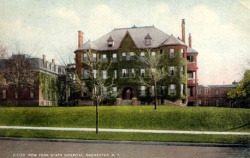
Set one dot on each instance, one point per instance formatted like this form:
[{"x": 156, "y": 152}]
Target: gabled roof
[
  {"x": 88, "y": 46},
  {"x": 173, "y": 41},
  {"x": 137, "y": 34},
  {"x": 191, "y": 50}
]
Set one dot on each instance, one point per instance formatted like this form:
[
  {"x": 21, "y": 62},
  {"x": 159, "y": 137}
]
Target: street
[{"x": 78, "y": 149}]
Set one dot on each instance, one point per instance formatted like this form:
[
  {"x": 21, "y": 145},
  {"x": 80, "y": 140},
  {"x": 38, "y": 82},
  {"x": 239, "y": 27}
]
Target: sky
[{"x": 220, "y": 28}]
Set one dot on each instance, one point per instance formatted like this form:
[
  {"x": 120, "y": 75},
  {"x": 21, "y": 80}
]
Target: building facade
[
  {"x": 215, "y": 95},
  {"x": 122, "y": 48},
  {"x": 29, "y": 81}
]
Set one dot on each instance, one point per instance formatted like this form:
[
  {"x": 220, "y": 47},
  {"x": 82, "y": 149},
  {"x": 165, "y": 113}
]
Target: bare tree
[
  {"x": 20, "y": 72},
  {"x": 97, "y": 73},
  {"x": 152, "y": 63}
]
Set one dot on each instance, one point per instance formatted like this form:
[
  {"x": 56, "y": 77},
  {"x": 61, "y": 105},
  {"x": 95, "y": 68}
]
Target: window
[
  {"x": 182, "y": 89},
  {"x": 115, "y": 90},
  {"x": 94, "y": 57},
  {"x": 182, "y": 53},
  {"x": 161, "y": 51},
  {"x": 132, "y": 72},
  {"x": 105, "y": 91},
  {"x": 114, "y": 58},
  {"x": 207, "y": 90},
  {"x": 16, "y": 94},
  {"x": 143, "y": 90},
  {"x": 142, "y": 55},
  {"x": 217, "y": 102},
  {"x": 142, "y": 72},
  {"x": 4, "y": 94},
  {"x": 31, "y": 93},
  {"x": 153, "y": 54},
  {"x": 85, "y": 74},
  {"x": 124, "y": 72},
  {"x": 199, "y": 102},
  {"x": 85, "y": 57},
  {"x": 94, "y": 73},
  {"x": 123, "y": 56},
  {"x": 132, "y": 56},
  {"x": 148, "y": 42},
  {"x": 182, "y": 71},
  {"x": 104, "y": 58},
  {"x": 104, "y": 74},
  {"x": 217, "y": 92},
  {"x": 162, "y": 70},
  {"x": 190, "y": 75},
  {"x": 162, "y": 89},
  {"x": 115, "y": 73},
  {"x": 190, "y": 59},
  {"x": 153, "y": 70},
  {"x": 172, "y": 90},
  {"x": 171, "y": 71},
  {"x": 152, "y": 90},
  {"x": 171, "y": 53}
]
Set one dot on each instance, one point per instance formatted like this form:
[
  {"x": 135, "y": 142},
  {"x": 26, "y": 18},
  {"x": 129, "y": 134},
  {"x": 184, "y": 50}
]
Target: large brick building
[
  {"x": 120, "y": 47},
  {"x": 45, "y": 89},
  {"x": 215, "y": 95}
]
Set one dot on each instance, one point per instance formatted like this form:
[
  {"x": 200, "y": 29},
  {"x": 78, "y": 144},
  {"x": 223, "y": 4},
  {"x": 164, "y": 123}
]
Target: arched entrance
[{"x": 128, "y": 93}]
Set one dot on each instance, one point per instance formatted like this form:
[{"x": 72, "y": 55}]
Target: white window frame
[
  {"x": 143, "y": 73},
  {"x": 115, "y": 73},
  {"x": 32, "y": 94},
  {"x": 153, "y": 54},
  {"x": 124, "y": 71},
  {"x": 143, "y": 90},
  {"x": 172, "y": 69},
  {"x": 4, "y": 94},
  {"x": 104, "y": 74},
  {"x": 94, "y": 73}
]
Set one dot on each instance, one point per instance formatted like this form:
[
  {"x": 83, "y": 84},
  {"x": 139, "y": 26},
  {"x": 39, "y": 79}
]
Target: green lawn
[{"x": 129, "y": 117}]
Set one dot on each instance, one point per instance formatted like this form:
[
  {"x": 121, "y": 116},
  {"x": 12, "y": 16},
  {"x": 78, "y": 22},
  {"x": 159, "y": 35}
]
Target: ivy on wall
[
  {"x": 48, "y": 83},
  {"x": 120, "y": 82}
]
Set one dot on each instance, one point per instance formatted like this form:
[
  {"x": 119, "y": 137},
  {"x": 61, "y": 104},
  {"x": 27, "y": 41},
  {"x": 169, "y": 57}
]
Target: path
[{"x": 125, "y": 130}]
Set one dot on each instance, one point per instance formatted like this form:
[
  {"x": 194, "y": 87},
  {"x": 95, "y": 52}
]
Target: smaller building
[
  {"x": 30, "y": 81},
  {"x": 215, "y": 95}
]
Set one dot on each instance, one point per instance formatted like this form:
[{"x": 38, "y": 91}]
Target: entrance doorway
[{"x": 128, "y": 93}]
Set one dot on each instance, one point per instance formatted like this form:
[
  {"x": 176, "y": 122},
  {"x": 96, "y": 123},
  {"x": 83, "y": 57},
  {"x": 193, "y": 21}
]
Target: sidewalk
[{"x": 125, "y": 130}]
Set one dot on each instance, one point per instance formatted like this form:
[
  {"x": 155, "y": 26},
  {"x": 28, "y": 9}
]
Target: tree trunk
[
  {"x": 155, "y": 89},
  {"x": 97, "y": 117}
]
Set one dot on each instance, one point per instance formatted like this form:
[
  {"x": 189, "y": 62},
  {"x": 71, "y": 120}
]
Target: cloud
[
  {"x": 66, "y": 14},
  {"x": 102, "y": 18}
]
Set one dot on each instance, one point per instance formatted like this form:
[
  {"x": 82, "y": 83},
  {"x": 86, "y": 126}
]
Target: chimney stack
[
  {"x": 183, "y": 30},
  {"x": 190, "y": 40},
  {"x": 44, "y": 61},
  {"x": 53, "y": 61},
  {"x": 80, "y": 39}
]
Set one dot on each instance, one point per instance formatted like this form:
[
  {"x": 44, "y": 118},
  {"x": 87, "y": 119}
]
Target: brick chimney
[
  {"x": 44, "y": 61},
  {"x": 80, "y": 39},
  {"x": 183, "y": 30},
  {"x": 190, "y": 40}
]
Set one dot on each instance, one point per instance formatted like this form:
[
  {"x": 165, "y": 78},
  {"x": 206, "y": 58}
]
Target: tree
[
  {"x": 19, "y": 71},
  {"x": 241, "y": 94},
  {"x": 3, "y": 55},
  {"x": 152, "y": 63},
  {"x": 100, "y": 83}
]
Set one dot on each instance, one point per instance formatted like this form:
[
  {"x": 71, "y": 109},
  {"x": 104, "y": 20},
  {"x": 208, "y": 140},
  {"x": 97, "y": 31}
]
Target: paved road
[
  {"x": 22, "y": 148},
  {"x": 125, "y": 130}
]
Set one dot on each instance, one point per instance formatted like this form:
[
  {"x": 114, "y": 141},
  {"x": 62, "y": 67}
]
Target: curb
[{"x": 126, "y": 142}]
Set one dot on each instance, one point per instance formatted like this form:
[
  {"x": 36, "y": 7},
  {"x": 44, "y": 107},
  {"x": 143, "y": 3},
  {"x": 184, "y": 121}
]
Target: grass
[
  {"x": 129, "y": 117},
  {"x": 231, "y": 139}
]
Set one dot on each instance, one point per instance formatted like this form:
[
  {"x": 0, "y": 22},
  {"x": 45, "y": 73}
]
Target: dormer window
[
  {"x": 110, "y": 42},
  {"x": 148, "y": 40}
]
